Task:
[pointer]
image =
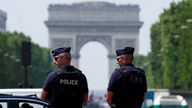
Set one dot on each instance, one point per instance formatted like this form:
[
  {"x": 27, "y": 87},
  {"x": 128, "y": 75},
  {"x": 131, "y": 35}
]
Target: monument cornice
[
  {"x": 93, "y": 6},
  {"x": 95, "y": 23}
]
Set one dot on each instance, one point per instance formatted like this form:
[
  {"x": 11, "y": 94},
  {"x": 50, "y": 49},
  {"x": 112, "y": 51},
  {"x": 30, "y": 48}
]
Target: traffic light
[{"x": 26, "y": 53}]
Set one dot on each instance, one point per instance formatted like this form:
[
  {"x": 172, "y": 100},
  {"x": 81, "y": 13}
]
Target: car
[
  {"x": 16, "y": 101},
  {"x": 104, "y": 105},
  {"x": 170, "y": 101},
  {"x": 22, "y": 91}
]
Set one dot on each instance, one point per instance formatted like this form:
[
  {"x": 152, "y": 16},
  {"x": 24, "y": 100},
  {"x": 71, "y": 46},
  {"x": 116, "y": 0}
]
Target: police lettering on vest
[
  {"x": 136, "y": 79},
  {"x": 136, "y": 76},
  {"x": 68, "y": 82}
]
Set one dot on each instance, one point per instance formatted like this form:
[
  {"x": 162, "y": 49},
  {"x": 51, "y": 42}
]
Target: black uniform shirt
[
  {"x": 127, "y": 83},
  {"x": 48, "y": 84}
]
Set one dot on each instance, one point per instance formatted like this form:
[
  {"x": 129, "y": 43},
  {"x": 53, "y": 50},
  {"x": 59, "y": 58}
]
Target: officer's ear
[
  {"x": 67, "y": 55},
  {"x": 131, "y": 58}
]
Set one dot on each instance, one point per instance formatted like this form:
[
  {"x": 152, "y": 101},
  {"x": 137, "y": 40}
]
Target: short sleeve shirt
[
  {"x": 48, "y": 84},
  {"x": 116, "y": 75},
  {"x": 124, "y": 89}
]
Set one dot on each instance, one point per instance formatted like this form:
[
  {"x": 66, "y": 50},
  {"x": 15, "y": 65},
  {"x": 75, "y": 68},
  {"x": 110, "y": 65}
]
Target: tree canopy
[
  {"x": 171, "y": 53},
  {"x": 11, "y": 70}
]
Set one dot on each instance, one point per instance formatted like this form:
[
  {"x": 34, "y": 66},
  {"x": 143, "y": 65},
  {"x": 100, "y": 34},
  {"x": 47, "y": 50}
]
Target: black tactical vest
[
  {"x": 131, "y": 88},
  {"x": 66, "y": 91}
]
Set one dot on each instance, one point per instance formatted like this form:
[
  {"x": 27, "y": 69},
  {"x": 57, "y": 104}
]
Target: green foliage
[
  {"x": 144, "y": 63},
  {"x": 171, "y": 53},
  {"x": 11, "y": 70}
]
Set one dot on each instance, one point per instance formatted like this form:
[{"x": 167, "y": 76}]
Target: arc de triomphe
[{"x": 114, "y": 26}]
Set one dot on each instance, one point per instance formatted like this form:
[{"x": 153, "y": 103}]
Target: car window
[
  {"x": 3, "y": 104},
  {"x": 30, "y": 105}
]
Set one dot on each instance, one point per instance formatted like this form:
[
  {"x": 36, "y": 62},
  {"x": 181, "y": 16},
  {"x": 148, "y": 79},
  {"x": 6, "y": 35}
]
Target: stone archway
[
  {"x": 115, "y": 26},
  {"x": 105, "y": 40}
]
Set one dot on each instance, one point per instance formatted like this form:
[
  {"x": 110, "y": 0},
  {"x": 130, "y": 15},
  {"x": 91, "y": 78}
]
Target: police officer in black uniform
[
  {"x": 127, "y": 87},
  {"x": 67, "y": 86}
]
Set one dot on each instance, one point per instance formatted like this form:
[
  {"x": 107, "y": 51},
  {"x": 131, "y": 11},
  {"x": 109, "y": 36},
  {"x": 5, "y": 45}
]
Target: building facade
[
  {"x": 3, "y": 18},
  {"x": 114, "y": 26}
]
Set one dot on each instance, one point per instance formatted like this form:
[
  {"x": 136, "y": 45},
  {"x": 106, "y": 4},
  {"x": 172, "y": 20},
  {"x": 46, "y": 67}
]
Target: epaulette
[
  {"x": 122, "y": 69},
  {"x": 141, "y": 70},
  {"x": 58, "y": 70},
  {"x": 77, "y": 70}
]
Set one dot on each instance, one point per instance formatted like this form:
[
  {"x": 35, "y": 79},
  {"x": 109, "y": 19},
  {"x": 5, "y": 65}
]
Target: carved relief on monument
[
  {"x": 61, "y": 42},
  {"x": 81, "y": 40},
  {"x": 114, "y": 26},
  {"x": 120, "y": 43}
]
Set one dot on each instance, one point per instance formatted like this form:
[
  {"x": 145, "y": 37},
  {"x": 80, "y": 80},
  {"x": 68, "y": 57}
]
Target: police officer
[
  {"x": 26, "y": 105},
  {"x": 67, "y": 86},
  {"x": 127, "y": 86}
]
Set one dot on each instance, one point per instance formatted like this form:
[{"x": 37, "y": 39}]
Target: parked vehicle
[
  {"x": 171, "y": 101},
  {"x": 22, "y": 91},
  {"x": 29, "y": 101}
]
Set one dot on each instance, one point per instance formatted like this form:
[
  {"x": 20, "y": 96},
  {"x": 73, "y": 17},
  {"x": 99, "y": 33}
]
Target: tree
[
  {"x": 171, "y": 53},
  {"x": 11, "y": 70}
]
